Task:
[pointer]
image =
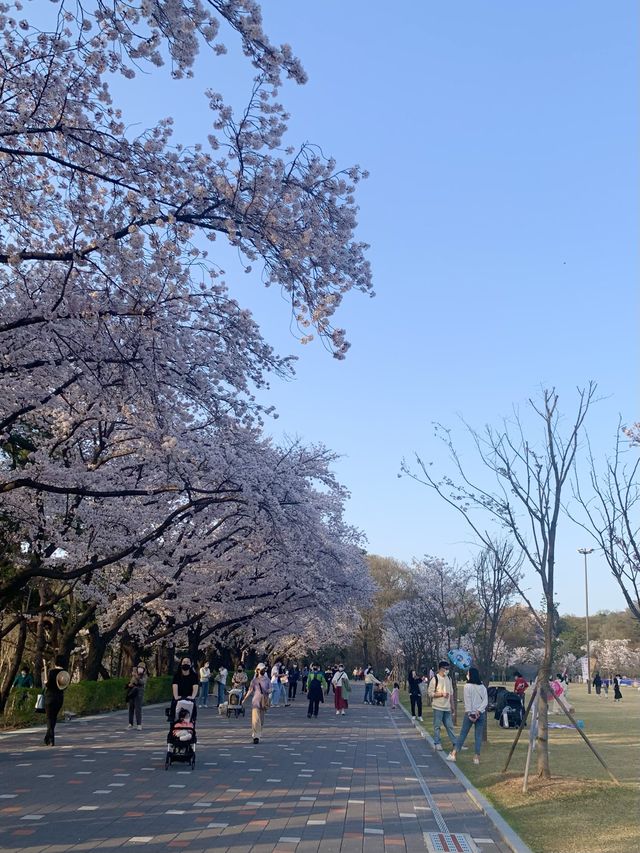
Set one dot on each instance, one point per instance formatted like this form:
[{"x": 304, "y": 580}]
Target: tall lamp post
[{"x": 585, "y": 552}]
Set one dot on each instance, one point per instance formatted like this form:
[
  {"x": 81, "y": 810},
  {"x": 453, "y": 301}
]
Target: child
[
  {"x": 183, "y": 728},
  {"x": 395, "y": 696}
]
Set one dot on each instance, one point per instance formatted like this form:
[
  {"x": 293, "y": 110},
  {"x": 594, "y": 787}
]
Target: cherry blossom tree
[{"x": 131, "y": 461}]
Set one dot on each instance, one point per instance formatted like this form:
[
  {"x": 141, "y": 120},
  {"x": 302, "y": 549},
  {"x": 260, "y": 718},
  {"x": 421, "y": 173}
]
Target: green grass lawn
[{"x": 580, "y": 810}]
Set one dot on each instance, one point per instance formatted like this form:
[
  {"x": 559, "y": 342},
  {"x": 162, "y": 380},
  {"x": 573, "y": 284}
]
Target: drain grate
[{"x": 445, "y": 842}]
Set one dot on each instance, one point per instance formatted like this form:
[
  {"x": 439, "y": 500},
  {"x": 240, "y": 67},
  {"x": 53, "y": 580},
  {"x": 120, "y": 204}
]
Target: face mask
[
  {"x": 446, "y": 672},
  {"x": 186, "y": 666}
]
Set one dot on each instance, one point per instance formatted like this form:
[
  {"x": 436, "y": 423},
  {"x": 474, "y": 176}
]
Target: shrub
[{"x": 82, "y": 698}]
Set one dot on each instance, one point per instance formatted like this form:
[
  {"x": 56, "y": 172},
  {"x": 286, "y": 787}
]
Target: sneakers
[
  {"x": 342, "y": 712},
  {"x": 451, "y": 757},
  {"x": 308, "y": 716},
  {"x": 139, "y": 728},
  {"x": 256, "y": 740},
  {"x": 413, "y": 718},
  {"x": 337, "y": 712},
  {"x": 438, "y": 747},
  {"x": 476, "y": 759},
  {"x": 421, "y": 720},
  {"x": 130, "y": 726}
]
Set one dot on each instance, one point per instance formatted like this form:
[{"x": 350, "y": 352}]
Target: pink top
[{"x": 260, "y": 684}]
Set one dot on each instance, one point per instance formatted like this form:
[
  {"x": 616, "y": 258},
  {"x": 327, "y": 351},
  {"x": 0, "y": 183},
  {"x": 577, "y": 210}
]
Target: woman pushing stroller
[{"x": 184, "y": 686}]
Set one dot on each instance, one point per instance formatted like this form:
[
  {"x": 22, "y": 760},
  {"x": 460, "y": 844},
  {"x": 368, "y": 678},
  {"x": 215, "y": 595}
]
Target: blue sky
[{"x": 502, "y": 213}]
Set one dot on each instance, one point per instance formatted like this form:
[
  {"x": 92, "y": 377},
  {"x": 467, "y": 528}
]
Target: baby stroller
[
  {"x": 494, "y": 696},
  {"x": 234, "y": 703},
  {"x": 380, "y": 696},
  {"x": 181, "y": 740},
  {"x": 509, "y": 711}
]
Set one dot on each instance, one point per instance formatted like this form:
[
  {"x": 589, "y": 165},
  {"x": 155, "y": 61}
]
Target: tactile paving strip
[{"x": 444, "y": 842}]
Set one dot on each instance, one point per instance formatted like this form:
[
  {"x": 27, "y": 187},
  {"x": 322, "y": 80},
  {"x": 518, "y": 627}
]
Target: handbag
[
  {"x": 265, "y": 701},
  {"x": 39, "y": 706}
]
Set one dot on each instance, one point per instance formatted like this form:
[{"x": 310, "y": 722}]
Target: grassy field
[{"x": 580, "y": 810}]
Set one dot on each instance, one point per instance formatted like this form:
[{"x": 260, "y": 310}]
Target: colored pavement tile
[{"x": 362, "y": 782}]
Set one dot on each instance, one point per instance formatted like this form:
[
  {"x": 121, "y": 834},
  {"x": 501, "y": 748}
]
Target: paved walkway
[{"x": 362, "y": 783}]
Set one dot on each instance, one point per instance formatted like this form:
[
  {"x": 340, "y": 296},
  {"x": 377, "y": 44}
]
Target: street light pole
[{"x": 586, "y": 551}]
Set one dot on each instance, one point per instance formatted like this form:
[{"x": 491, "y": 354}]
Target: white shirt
[
  {"x": 475, "y": 698},
  {"x": 205, "y": 672},
  {"x": 339, "y": 678}
]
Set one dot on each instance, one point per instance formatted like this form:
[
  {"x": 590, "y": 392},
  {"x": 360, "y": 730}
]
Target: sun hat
[
  {"x": 261, "y": 666},
  {"x": 62, "y": 679}
]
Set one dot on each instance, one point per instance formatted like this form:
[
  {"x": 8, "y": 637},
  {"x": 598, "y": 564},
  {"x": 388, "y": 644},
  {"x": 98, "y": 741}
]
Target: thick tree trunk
[
  {"x": 97, "y": 648},
  {"x": 14, "y": 665},
  {"x": 194, "y": 634}
]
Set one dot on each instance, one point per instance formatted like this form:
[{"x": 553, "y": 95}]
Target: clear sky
[{"x": 502, "y": 213}]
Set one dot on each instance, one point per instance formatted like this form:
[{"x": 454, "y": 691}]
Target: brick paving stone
[{"x": 338, "y": 784}]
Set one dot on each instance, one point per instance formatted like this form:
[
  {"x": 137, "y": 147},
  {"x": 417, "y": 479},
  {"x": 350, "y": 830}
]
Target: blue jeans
[
  {"x": 443, "y": 718},
  {"x": 368, "y": 693},
  {"x": 221, "y": 688},
  {"x": 464, "y": 731},
  {"x": 204, "y": 693}
]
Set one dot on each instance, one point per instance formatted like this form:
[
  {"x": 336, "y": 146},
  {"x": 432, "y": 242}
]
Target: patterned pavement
[{"x": 360, "y": 783}]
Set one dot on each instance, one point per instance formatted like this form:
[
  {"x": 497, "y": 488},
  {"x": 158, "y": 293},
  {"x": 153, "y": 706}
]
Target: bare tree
[
  {"x": 611, "y": 517},
  {"x": 494, "y": 571},
  {"x": 527, "y": 503}
]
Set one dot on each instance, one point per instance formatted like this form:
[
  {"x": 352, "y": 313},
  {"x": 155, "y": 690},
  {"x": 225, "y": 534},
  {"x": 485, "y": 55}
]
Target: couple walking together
[{"x": 440, "y": 690}]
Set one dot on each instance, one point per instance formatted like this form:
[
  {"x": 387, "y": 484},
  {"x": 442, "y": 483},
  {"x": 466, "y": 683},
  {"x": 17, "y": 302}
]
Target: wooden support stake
[{"x": 561, "y": 701}]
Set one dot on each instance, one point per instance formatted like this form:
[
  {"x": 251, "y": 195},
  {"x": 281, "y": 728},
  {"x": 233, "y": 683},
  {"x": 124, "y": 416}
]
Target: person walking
[
  {"x": 23, "y": 679},
  {"x": 520, "y": 687},
  {"x": 239, "y": 679},
  {"x": 135, "y": 694},
  {"x": 294, "y": 678},
  {"x": 277, "y": 690},
  {"x": 204, "y": 675},
  {"x": 369, "y": 681},
  {"x": 316, "y": 688},
  {"x": 415, "y": 694},
  {"x": 341, "y": 688},
  {"x": 475, "y": 706},
  {"x": 597, "y": 682},
  {"x": 184, "y": 686},
  {"x": 441, "y": 692},
  {"x": 21, "y": 684},
  {"x": 221, "y": 682},
  {"x": 259, "y": 690},
  {"x": 57, "y": 682},
  {"x": 304, "y": 677},
  {"x": 395, "y": 696},
  {"x": 617, "y": 693}
]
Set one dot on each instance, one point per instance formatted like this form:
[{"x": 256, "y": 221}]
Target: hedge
[{"x": 81, "y": 698}]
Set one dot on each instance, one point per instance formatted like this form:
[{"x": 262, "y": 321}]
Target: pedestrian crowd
[{"x": 282, "y": 684}]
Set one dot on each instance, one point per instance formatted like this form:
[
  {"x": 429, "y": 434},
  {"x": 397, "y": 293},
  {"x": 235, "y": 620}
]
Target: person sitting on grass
[{"x": 475, "y": 706}]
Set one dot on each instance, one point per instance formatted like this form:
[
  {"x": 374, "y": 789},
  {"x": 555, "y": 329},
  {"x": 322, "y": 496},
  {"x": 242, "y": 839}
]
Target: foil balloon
[{"x": 460, "y": 658}]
